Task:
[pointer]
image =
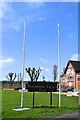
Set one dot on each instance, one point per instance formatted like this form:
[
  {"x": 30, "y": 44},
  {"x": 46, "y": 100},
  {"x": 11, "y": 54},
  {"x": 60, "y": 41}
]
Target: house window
[
  {"x": 70, "y": 65},
  {"x": 70, "y": 78},
  {"x": 78, "y": 79}
]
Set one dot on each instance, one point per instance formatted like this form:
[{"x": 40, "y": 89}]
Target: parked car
[{"x": 67, "y": 88}]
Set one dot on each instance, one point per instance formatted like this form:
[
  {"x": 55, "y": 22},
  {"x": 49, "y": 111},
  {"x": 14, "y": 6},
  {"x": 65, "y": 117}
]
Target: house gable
[
  {"x": 73, "y": 64},
  {"x": 71, "y": 75}
]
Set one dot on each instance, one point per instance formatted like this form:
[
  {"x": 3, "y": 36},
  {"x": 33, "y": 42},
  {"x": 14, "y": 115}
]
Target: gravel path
[{"x": 71, "y": 116}]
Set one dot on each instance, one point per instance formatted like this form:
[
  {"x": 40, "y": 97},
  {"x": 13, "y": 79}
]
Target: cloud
[
  {"x": 15, "y": 24},
  {"x": 42, "y": 68},
  {"x": 69, "y": 16},
  {"x": 9, "y": 14},
  {"x": 45, "y": 69},
  {"x": 40, "y": 0},
  {"x": 13, "y": 20},
  {"x": 66, "y": 0},
  {"x": 5, "y": 61},
  {"x": 5, "y": 10},
  {"x": 42, "y": 18},
  {"x": 33, "y": 5},
  {"x": 44, "y": 60},
  {"x": 75, "y": 57}
]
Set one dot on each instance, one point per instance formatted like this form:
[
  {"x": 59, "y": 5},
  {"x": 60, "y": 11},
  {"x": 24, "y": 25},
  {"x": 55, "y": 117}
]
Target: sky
[{"x": 41, "y": 36}]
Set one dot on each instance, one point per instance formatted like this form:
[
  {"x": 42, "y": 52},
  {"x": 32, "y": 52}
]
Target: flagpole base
[{"x": 20, "y": 109}]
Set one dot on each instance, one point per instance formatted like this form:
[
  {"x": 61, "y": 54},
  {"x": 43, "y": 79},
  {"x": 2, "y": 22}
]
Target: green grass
[{"x": 11, "y": 100}]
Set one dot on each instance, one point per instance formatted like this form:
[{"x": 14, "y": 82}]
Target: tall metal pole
[
  {"x": 23, "y": 61},
  {"x": 59, "y": 64}
]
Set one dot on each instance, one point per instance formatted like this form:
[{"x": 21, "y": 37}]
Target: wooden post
[{"x": 50, "y": 98}]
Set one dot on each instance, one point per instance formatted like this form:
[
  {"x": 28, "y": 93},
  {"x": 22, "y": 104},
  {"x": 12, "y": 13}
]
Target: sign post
[
  {"x": 50, "y": 98},
  {"x": 33, "y": 98}
]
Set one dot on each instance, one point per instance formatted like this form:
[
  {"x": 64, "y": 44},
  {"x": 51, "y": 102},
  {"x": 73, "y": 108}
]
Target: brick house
[{"x": 71, "y": 75}]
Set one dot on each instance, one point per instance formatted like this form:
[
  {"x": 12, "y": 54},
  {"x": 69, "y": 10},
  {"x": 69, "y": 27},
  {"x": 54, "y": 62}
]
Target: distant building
[{"x": 71, "y": 75}]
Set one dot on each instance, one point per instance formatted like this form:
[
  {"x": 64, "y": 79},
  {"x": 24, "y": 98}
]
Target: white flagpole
[
  {"x": 59, "y": 64},
  {"x": 22, "y": 76},
  {"x": 23, "y": 61}
]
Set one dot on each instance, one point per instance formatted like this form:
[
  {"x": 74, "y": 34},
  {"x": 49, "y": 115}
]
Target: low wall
[{"x": 15, "y": 84}]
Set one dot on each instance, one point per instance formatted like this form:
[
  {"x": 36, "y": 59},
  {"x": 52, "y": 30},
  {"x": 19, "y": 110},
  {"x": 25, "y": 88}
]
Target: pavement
[{"x": 68, "y": 93}]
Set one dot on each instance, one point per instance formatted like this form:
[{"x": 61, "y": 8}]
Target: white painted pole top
[{"x": 58, "y": 24}]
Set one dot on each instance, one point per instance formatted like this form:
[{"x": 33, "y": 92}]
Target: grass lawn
[{"x": 11, "y": 100}]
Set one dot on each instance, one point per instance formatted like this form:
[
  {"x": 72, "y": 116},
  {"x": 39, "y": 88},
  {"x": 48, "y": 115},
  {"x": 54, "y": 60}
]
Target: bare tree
[
  {"x": 11, "y": 77},
  {"x": 55, "y": 72},
  {"x": 33, "y": 73}
]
